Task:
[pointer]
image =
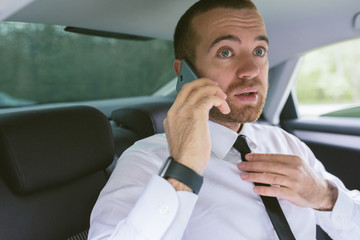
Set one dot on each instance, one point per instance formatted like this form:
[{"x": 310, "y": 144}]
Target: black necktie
[{"x": 272, "y": 205}]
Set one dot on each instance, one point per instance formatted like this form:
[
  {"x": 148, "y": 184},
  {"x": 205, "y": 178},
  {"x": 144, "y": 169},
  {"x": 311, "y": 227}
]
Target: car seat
[{"x": 52, "y": 169}]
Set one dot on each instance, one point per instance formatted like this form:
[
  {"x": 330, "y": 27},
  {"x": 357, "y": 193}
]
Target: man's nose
[{"x": 247, "y": 67}]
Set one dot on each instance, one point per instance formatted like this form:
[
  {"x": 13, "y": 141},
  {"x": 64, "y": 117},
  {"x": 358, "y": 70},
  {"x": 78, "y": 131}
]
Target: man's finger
[
  {"x": 266, "y": 178},
  {"x": 268, "y": 167},
  {"x": 274, "y": 191},
  {"x": 272, "y": 157},
  {"x": 189, "y": 87}
]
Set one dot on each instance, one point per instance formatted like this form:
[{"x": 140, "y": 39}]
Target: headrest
[
  {"x": 43, "y": 148},
  {"x": 144, "y": 119}
]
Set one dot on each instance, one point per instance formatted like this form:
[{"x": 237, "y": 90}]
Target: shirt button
[
  {"x": 338, "y": 218},
  {"x": 164, "y": 209}
]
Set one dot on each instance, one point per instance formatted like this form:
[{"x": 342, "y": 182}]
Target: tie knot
[{"x": 241, "y": 145}]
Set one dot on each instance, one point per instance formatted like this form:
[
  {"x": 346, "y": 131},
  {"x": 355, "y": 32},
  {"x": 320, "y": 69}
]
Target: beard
[{"x": 246, "y": 112}]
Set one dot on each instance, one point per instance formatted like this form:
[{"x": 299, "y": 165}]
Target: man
[{"x": 226, "y": 43}]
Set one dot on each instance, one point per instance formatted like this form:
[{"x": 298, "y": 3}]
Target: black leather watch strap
[{"x": 174, "y": 169}]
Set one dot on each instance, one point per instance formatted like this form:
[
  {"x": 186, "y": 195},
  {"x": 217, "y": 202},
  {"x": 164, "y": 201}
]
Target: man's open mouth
[{"x": 248, "y": 93}]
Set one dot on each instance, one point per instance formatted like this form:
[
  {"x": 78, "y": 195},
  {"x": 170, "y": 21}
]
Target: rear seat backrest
[
  {"x": 52, "y": 168},
  {"x": 138, "y": 121}
]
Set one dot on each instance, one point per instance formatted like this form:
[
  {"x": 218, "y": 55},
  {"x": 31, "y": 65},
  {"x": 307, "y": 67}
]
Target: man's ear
[{"x": 177, "y": 65}]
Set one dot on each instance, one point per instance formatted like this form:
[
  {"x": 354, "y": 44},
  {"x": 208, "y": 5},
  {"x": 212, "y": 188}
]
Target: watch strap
[{"x": 183, "y": 174}]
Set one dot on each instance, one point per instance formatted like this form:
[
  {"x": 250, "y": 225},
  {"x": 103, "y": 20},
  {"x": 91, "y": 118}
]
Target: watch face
[{"x": 165, "y": 166}]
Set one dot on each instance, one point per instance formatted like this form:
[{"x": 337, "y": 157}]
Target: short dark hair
[{"x": 185, "y": 37}]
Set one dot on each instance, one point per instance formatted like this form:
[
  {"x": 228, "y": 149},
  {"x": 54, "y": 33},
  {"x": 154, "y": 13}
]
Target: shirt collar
[
  {"x": 248, "y": 131},
  {"x": 223, "y": 138}
]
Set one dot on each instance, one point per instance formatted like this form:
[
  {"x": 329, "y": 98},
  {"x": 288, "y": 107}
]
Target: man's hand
[
  {"x": 294, "y": 180},
  {"x": 186, "y": 125}
]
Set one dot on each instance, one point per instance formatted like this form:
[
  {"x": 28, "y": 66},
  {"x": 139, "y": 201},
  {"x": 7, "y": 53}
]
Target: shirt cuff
[
  {"x": 339, "y": 217},
  {"x": 159, "y": 207}
]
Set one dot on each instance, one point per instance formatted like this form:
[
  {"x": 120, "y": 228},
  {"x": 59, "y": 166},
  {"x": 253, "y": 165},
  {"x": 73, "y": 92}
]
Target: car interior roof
[{"x": 289, "y": 23}]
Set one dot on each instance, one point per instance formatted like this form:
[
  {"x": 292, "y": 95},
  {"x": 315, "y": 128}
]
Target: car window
[
  {"x": 44, "y": 64},
  {"x": 328, "y": 81}
]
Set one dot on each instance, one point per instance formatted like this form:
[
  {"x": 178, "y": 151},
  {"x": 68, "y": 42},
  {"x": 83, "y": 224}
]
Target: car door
[
  {"x": 335, "y": 141},
  {"x": 328, "y": 79}
]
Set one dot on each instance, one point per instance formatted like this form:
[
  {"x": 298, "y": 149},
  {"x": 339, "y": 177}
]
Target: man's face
[{"x": 232, "y": 51}]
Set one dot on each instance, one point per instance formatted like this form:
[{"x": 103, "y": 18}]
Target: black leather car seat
[
  {"x": 52, "y": 168},
  {"x": 138, "y": 121}
]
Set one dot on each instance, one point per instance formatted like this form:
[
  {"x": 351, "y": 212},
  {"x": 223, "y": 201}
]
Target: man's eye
[
  {"x": 225, "y": 53},
  {"x": 259, "y": 52}
]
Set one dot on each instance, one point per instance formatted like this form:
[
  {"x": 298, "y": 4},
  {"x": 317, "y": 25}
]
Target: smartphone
[{"x": 187, "y": 74}]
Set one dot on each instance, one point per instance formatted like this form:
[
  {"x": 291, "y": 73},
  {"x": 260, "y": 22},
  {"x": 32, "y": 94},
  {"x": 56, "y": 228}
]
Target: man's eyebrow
[
  {"x": 236, "y": 39},
  {"x": 222, "y": 38},
  {"x": 263, "y": 38}
]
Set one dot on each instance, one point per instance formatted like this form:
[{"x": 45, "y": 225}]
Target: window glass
[
  {"x": 44, "y": 64},
  {"x": 328, "y": 82}
]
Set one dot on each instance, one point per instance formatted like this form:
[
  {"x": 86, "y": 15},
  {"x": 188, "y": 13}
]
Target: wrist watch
[{"x": 182, "y": 173}]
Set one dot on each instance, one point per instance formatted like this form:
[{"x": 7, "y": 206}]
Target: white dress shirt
[{"x": 138, "y": 204}]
